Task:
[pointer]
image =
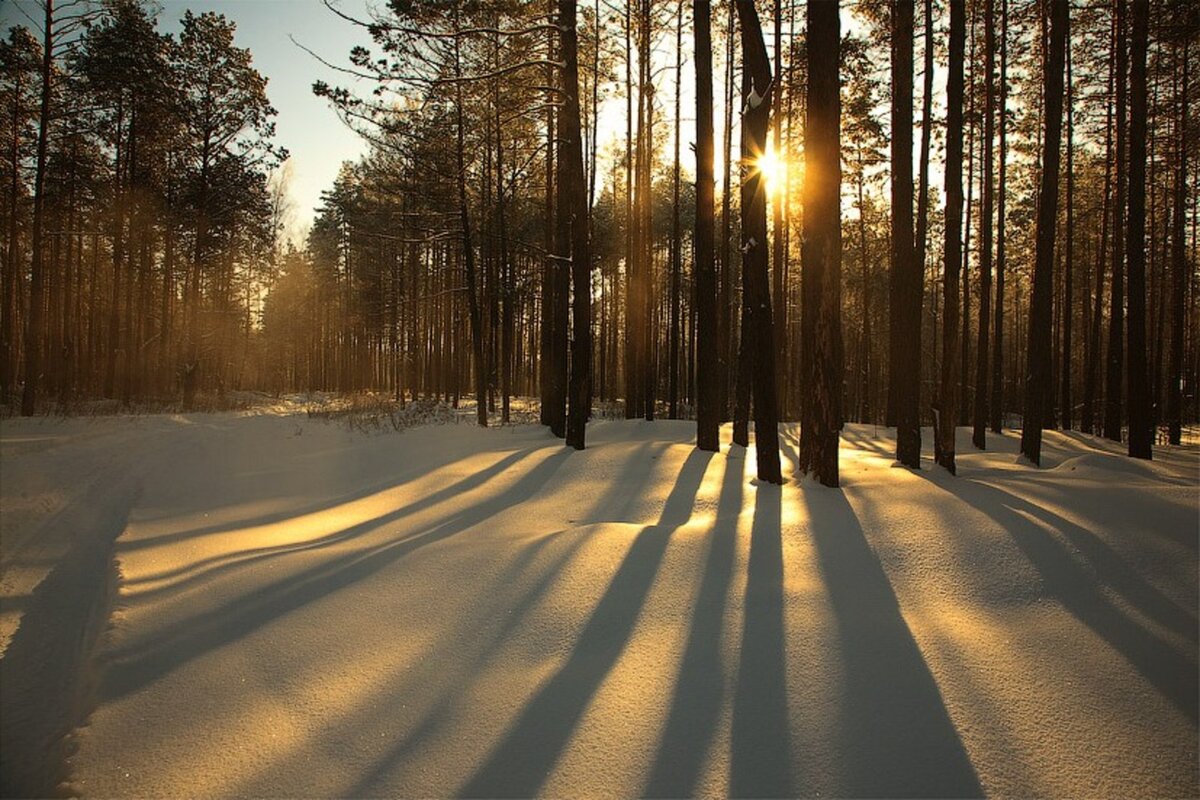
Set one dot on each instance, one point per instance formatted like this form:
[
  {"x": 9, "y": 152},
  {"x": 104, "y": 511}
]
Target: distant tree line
[{"x": 138, "y": 220}]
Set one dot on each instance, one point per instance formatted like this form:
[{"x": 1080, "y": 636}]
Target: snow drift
[{"x": 310, "y": 610}]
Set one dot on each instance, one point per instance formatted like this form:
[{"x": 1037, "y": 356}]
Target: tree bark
[
  {"x": 1141, "y": 422},
  {"x": 676, "y": 243},
  {"x": 907, "y": 274},
  {"x": 468, "y": 249},
  {"x": 821, "y": 357},
  {"x": 1037, "y": 380},
  {"x": 996, "y": 409},
  {"x": 1068, "y": 305},
  {"x": 1179, "y": 270},
  {"x": 982, "y": 395},
  {"x": 573, "y": 224},
  {"x": 1114, "y": 376},
  {"x": 33, "y": 335},
  {"x": 708, "y": 366},
  {"x": 757, "y": 91},
  {"x": 946, "y": 409}
]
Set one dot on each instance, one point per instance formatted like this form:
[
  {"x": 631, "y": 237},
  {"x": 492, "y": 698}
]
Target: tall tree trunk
[
  {"x": 1179, "y": 270},
  {"x": 964, "y": 341},
  {"x": 33, "y": 335},
  {"x": 726, "y": 338},
  {"x": 1037, "y": 380},
  {"x": 821, "y": 358},
  {"x": 1141, "y": 422},
  {"x": 676, "y": 244},
  {"x": 907, "y": 274},
  {"x": 756, "y": 117},
  {"x": 506, "y": 284},
  {"x": 1068, "y": 305},
  {"x": 633, "y": 372},
  {"x": 546, "y": 338},
  {"x": 997, "y": 403},
  {"x": 573, "y": 226},
  {"x": 946, "y": 410},
  {"x": 708, "y": 360},
  {"x": 648, "y": 333},
  {"x": 978, "y": 434},
  {"x": 1114, "y": 376},
  {"x": 778, "y": 202},
  {"x": 468, "y": 249},
  {"x": 1091, "y": 379},
  {"x": 8, "y": 280}
]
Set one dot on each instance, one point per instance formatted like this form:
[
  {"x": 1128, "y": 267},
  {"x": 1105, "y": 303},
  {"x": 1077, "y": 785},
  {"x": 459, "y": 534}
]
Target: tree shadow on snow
[
  {"x": 700, "y": 686},
  {"x": 895, "y": 737},
  {"x": 200, "y": 569},
  {"x": 523, "y": 760},
  {"x": 760, "y": 750},
  {"x": 128, "y": 671},
  {"x": 1080, "y": 578}
]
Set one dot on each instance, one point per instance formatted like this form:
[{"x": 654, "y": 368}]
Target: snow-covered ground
[{"x": 305, "y": 609}]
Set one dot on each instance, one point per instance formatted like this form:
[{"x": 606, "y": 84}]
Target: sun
[{"x": 774, "y": 171}]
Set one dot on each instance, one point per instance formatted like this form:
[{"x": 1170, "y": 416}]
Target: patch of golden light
[{"x": 773, "y": 167}]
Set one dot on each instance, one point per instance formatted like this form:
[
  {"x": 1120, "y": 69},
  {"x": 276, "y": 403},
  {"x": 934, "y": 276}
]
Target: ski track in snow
[{"x": 306, "y": 610}]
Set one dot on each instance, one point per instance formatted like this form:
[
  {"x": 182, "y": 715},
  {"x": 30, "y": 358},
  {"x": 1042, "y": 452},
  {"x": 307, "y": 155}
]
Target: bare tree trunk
[
  {"x": 1179, "y": 270},
  {"x": 946, "y": 409},
  {"x": 756, "y": 115},
  {"x": 1037, "y": 381},
  {"x": 676, "y": 244},
  {"x": 8, "y": 280},
  {"x": 33, "y": 336},
  {"x": 573, "y": 227},
  {"x": 1068, "y": 305},
  {"x": 978, "y": 435},
  {"x": 708, "y": 366},
  {"x": 726, "y": 339},
  {"x": 468, "y": 245},
  {"x": 1114, "y": 376},
  {"x": 821, "y": 358},
  {"x": 778, "y": 202},
  {"x": 549, "y": 265},
  {"x": 997, "y": 403},
  {"x": 1141, "y": 422},
  {"x": 904, "y": 373}
]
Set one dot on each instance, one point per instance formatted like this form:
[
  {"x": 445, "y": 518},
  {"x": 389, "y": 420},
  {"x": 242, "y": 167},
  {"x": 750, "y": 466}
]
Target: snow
[{"x": 311, "y": 608}]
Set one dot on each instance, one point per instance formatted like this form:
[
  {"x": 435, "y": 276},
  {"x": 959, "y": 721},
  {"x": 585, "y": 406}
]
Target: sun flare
[{"x": 774, "y": 171}]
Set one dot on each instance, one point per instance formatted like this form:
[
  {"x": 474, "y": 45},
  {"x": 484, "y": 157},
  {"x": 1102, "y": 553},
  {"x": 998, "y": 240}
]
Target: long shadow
[
  {"x": 240, "y": 558},
  {"x": 1173, "y": 671},
  {"x": 617, "y": 503},
  {"x": 895, "y": 737},
  {"x": 469, "y": 482},
  {"x": 700, "y": 687},
  {"x": 760, "y": 750},
  {"x": 45, "y": 674},
  {"x": 523, "y": 760},
  {"x": 1110, "y": 568},
  {"x": 438, "y": 713},
  {"x": 128, "y": 671}
]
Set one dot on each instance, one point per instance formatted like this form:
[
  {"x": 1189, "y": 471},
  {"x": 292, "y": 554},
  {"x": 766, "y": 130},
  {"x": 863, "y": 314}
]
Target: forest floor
[{"x": 299, "y": 607}]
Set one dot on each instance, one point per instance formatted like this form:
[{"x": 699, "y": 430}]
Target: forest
[
  {"x": 747, "y": 398},
  {"x": 488, "y": 246}
]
